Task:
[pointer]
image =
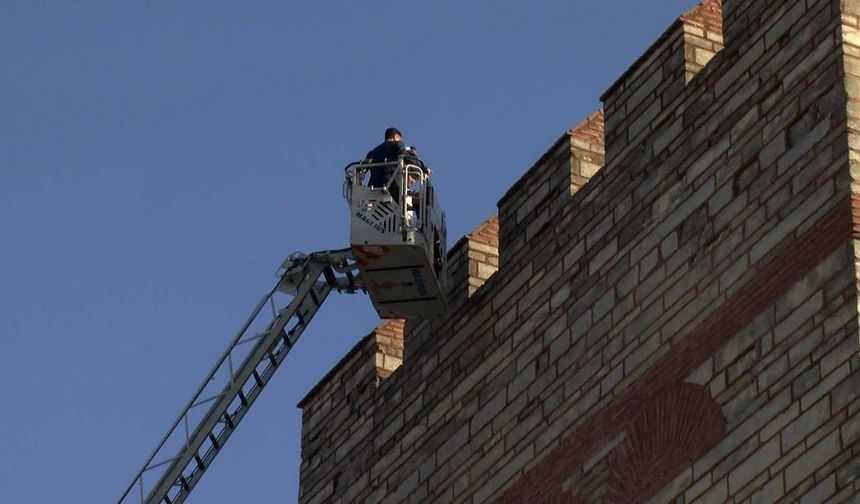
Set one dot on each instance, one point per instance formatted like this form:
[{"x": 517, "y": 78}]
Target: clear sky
[{"x": 158, "y": 159}]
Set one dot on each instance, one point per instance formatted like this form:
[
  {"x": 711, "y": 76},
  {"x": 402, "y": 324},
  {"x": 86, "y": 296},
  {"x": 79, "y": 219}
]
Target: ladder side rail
[
  {"x": 242, "y": 375},
  {"x": 196, "y": 396},
  {"x": 307, "y": 308}
]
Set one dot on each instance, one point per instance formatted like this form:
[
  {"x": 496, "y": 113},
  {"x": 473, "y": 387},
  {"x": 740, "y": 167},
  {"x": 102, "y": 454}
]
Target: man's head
[{"x": 392, "y": 135}]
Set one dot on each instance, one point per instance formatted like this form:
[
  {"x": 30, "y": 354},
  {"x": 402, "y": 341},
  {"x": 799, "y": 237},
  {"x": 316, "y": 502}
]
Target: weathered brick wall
[
  {"x": 471, "y": 262},
  {"x": 680, "y": 325}
]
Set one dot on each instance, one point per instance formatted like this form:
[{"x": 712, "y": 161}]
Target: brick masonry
[{"x": 665, "y": 308}]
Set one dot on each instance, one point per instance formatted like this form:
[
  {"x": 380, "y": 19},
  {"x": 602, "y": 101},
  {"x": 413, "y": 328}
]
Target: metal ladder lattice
[{"x": 228, "y": 391}]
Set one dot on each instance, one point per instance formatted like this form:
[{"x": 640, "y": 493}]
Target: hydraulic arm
[{"x": 200, "y": 431}]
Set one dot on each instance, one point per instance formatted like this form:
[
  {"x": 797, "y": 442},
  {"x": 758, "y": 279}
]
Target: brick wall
[
  {"x": 680, "y": 325},
  {"x": 471, "y": 262}
]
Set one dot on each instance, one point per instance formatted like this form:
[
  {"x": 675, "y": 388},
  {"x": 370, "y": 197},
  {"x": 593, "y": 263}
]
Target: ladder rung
[{"x": 214, "y": 440}]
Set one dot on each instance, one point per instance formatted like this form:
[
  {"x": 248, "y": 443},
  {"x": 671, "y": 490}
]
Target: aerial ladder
[{"x": 397, "y": 256}]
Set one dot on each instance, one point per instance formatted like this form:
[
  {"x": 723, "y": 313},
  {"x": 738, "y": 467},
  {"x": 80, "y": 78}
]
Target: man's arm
[{"x": 411, "y": 156}]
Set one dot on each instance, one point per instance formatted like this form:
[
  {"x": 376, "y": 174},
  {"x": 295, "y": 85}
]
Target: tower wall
[{"x": 678, "y": 325}]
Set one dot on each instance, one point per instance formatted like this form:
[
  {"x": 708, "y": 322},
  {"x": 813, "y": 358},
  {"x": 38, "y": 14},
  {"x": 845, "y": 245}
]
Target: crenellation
[
  {"x": 708, "y": 257},
  {"x": 543, "y": 193},
  {"x": 654, "y": 83}
]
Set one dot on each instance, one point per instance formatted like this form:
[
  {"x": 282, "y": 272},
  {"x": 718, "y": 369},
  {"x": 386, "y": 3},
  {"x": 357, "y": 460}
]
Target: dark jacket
[{"x": 384, "y": 153}]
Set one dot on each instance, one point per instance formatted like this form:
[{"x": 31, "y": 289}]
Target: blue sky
[{"x": 159, "y": 159}]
